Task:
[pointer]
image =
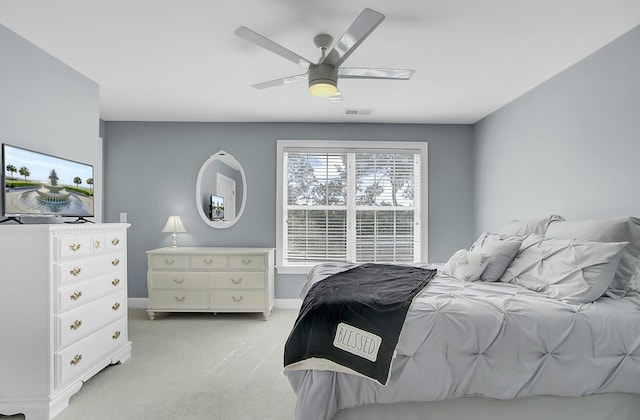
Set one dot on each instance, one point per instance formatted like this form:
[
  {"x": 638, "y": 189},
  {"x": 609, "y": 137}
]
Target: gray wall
[
  {"x": 152, "y": 169},
  {"x": 570, "y": 146},
  {"x": 48, "y": 107}
]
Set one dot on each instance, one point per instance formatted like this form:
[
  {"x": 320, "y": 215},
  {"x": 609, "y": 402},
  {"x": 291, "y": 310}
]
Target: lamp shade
[{"x": 174, "y": 224}]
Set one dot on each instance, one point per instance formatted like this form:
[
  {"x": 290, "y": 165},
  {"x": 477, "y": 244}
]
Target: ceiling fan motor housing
[{"x": 323, "y": 73}]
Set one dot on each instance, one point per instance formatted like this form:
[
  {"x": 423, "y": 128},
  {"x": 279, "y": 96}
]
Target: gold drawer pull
[
  {"x": 115, "y": 262},
  {"x": 75, "y": 271},
  {"x": 115, "y": 241},
  {"x": 236, "y": 281},
  {"x": 237, "y": 299},
  {"x": 246, "y": 261},
  {"x": 115, "y": 282},
  {"x": 209, "y": 261},
  {"x": 178, "y": 281},
  {"x": 116, "y": 306},
  {"x": 116, "y": 335},
  {"x": 75, "y": 295},
  {"x": 76, "y": 359},
  {"x": 76, "y": 324},
  {"x": 97, "y": 244},
  {"x": 75, "y": 246},
  {"x": 180, "y": 299},
  {"x": 169, "y": 261}
]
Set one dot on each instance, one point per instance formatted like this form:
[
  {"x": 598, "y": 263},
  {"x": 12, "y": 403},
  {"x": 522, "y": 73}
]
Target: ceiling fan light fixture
[
  {"x": 323, "y": 80},
  {"x": 322, "y": 88}
]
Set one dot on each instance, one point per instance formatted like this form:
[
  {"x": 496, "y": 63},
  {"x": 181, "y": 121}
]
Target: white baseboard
[
  {"x": 279, "y": 303},
  {"x": 288, "y": 303},
  {"x": 138, "y": 303}
]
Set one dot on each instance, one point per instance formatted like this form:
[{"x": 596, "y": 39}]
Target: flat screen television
[{"x": 39, "y": 184}]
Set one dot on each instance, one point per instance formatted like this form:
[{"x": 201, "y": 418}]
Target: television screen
[
  {"x": 216, "y": 208},
  {"x": 38, "y": 184}
]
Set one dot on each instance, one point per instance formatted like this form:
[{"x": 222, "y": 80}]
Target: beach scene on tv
[{"x": 40, "y": 184}]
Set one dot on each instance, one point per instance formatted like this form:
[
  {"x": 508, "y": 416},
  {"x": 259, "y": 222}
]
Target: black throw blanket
[{"x": 354, "y": 317}]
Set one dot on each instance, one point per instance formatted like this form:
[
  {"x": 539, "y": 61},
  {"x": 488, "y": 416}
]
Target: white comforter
[{"x": 496, "y": 340}]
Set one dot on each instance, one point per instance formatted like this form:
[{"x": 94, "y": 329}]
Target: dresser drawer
[
  {"x": 237, "y": 280},
  {"x": 73, "y": 325},
  {"x": 179, "y": 280},
  {"x": 72, "y": 246},
  {"x": 170, "y": 262},
  {"x": 115, "y": 241},
  {"x": 87, "y": 268},
  {"x": 237, "y": 299},
  {"x": 98, "y": 244},
  {"x": 79, "y": 294},
  {"x": 208, "y": 262},
  {"x": 245, "y": 262},
  {"x": 81, "y": 357},
  {"x": 179, "y": 299}
]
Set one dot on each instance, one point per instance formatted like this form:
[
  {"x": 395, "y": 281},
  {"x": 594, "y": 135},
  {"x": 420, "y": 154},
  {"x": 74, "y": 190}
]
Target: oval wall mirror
[{"x": 221, "y": 190}]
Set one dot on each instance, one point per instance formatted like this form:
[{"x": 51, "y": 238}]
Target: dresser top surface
[
  {"x": 191, "y": 250},
  {"x": 57, "y": 227}
]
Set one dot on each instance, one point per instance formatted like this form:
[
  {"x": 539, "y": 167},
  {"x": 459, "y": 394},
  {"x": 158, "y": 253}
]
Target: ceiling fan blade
[
  {"x": 366, "y": 73},
  {"x": 359, "y": 30},
  {"x": 281, "y": 81},
  {"x": 266, "y": 43}
]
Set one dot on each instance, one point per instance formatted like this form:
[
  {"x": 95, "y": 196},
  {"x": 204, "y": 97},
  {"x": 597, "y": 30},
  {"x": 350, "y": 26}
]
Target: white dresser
[
  {"x": 201, "y": 279},
  {"x": 63, "y": 311}
]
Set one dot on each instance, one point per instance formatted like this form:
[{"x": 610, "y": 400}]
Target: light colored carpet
[{"x": 193, "y": 366}]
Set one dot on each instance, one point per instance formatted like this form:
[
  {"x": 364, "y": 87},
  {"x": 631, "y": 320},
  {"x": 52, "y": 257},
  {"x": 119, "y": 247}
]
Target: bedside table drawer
[
  {"x": 170, "y": 262},
  {"x": 244, "y": 262},
  {"x": 237, "y": 299},
  {"x": 179, "y": 280},
  {"x": 237, "y": 280},
  {"x": 179, "y": 299}
]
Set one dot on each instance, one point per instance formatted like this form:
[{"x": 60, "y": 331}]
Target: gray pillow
[
  {"x": 527, "y": 227},
  {"x": 625, "y": 229},
  {"x": 565, "y": 269},
  {"x": 502, "y": 252}
]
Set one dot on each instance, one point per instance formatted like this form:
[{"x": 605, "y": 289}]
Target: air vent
[{"x": 358, "y": 111}]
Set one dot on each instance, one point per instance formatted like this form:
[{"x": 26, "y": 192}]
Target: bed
[{"x": 505, "y": 346}]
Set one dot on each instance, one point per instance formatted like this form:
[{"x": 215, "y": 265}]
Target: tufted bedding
[{"x": 496, "y": 340}]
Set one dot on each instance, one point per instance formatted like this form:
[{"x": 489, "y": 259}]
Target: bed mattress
[{"x": 495, "y": 340}]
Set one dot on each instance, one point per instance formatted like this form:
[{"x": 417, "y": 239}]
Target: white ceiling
[{"x": 178, "y": 60}]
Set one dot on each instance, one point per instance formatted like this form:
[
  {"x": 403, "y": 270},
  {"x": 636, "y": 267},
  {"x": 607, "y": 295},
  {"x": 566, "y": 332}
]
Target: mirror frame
[{"x": 230, "y": 161}]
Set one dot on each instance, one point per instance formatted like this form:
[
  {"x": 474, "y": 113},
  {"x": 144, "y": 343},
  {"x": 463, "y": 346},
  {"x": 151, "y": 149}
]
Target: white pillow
[
  {"x": 576, "y": 271},
  {"x": 466, "y": 265},
  {"x": 625, "y": 229},
  {"x": 527, "y": 227},
  {"x": 502, "y": 252},
  {"x": 634, "y": 284}
]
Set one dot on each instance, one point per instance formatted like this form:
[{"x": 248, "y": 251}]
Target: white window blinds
[{"x": 360, "y": 205}]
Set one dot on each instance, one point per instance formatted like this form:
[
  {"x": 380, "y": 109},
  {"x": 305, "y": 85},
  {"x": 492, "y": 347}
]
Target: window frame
[{"x": 374, "y": 145}]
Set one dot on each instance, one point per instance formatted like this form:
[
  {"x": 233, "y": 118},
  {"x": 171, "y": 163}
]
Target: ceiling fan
[{"x": 323, "y": 76}]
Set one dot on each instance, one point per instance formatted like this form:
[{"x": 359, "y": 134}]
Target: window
[{"x": 350, "y": 201}]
